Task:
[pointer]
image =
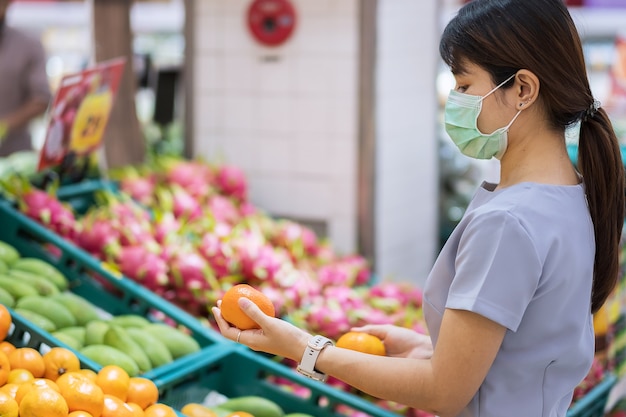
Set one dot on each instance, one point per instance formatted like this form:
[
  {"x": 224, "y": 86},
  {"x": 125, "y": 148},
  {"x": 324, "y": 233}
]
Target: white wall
[
  {"x": 287, "y": 115},
  {"x": 407, "y": 180}
]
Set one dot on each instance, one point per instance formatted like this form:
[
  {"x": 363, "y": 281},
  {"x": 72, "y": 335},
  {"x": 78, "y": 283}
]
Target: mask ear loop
[{"x": 498, "y": 86}]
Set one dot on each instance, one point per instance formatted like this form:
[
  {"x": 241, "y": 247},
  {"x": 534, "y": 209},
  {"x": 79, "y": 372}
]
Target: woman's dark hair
[{"x": 504, "y": 36}]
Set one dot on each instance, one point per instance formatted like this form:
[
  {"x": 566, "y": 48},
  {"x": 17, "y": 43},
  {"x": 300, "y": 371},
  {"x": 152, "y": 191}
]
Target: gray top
[
  {"x": 523, "y": 257},
  {"x": 22, "y": 78}
]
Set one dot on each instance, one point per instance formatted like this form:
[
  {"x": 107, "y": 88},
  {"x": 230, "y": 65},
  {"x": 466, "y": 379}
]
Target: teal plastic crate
[
  {"x": 26, "y": 334},
  {"x": 81, "y": 196},
  {"x": 239, "y": 371},
  {"x": 594, "y": 402},
  {"x": 111, "y": 292}
]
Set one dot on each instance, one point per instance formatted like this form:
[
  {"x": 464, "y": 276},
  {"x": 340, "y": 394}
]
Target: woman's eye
[{"x": 461, "y": 88}]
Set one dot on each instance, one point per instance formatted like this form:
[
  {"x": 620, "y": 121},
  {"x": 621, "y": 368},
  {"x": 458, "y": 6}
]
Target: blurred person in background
[{"x": 24, "y": 89}]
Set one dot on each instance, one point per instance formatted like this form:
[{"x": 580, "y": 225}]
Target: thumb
[
  {"x": 252, "y": 310},
  {"x": 377, "y": 330}
]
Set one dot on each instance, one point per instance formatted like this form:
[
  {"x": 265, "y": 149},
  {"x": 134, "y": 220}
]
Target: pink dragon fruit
[
  {"x": 166, "y": 226},
  {"x": 219, "y": 253},
  {"x": 191, "y": 274},
  {"x": 193, "y": 176},
  {"x": 144, "y": 266},
  {"x": 95, "y": 234},
  {"x": 49, "y": 211},
  {"x": 140, "y": 189},
  {"x": 401, "y": 293},
  {"x": 185, "y": 205},
  {"x": 223, "y": 209},
  {"x": 263, "y": 264},
  {"x": 231, "y": 181},
  {"x": 299, "y": 240}
]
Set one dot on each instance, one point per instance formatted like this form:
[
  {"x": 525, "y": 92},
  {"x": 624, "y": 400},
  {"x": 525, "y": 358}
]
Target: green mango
[{"x": 255, "y": 405}]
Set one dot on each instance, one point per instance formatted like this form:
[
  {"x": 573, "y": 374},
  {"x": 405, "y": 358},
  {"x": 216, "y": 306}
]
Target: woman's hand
[
  {"x": 275, "y": 336},
  {"x": 399, "y": 341}
]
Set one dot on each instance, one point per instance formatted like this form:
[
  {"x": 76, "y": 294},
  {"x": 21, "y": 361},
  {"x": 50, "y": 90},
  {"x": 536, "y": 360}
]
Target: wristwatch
[{"x": 307, "y": 364}]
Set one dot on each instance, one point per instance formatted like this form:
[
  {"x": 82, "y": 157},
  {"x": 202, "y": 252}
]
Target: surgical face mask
[{"x": 461, "y": 121}]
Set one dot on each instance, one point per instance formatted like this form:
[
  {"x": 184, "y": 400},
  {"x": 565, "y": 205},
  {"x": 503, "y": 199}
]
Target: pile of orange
[{"x": 52, "y": 384}]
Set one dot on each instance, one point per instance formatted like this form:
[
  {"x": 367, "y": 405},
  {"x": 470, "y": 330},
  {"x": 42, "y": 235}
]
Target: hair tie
[{"x": 591, "y": 111}]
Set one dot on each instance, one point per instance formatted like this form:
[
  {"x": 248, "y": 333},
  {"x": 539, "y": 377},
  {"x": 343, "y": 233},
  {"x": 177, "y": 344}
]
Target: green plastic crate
[
  {"x": 109, "y": 291},
  {"x": 594, "y": 402},
  {"x": 239, "y": 371}
]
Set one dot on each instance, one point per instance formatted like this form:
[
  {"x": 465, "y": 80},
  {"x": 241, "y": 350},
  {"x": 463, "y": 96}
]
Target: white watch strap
[{"x": 309, "y": 358}]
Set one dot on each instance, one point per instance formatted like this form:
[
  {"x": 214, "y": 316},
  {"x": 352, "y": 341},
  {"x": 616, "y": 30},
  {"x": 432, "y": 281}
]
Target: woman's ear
[{"x": 526, "y": 88}]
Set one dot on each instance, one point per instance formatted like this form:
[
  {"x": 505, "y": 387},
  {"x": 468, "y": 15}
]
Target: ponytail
[{"x": 600, "y": 163}]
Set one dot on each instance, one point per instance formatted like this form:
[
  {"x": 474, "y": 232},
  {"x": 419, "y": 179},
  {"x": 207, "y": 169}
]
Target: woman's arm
[{"x": 443, "y": 385}]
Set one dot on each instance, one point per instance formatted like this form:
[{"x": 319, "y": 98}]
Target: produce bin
[
  {"x": 25, "y": 334},
  {"x": 239, "y": 371},
  {"x": 594, "y": 402},
  {"x": 111, "y": 292}
]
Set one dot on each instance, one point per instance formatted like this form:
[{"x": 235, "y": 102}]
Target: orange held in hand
[
  {"x": 362, "y": 342},
  {"x": 234, "y": 315}
]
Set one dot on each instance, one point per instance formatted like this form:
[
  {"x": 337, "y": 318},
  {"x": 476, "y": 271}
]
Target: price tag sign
[{"x": 80, "y": 112}]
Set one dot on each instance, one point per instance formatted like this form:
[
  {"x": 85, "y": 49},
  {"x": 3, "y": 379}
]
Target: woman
[{"x": 509, "y": 300}]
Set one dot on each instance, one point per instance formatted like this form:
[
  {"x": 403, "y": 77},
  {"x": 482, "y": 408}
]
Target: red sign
[
  {"x": 271, "y": 22},
  {"x": 80, "y": 112}
]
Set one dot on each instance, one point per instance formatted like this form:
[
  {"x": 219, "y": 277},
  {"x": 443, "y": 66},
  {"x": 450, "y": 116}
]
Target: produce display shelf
[
  {"x": 25, "y": 334},
  {"x": 239, "y": 371},
  {"x": 107, "y": 290},
  {"x": 594, "y": 402}
]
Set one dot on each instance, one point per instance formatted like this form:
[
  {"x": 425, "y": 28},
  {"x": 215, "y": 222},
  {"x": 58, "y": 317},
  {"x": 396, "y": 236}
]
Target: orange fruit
[
  {"x": 6, "y": 347},
  {"x": 5, "y": 368},
  {"x": 159, "y": 410},
  {"x": 114, "y": 407},
  {"x": 35, "y": 384},
  {"x": 10, "y": 389},
  {"x": 89, "y": 373},
  {"x": 43, "y": 402},
  {"x": 58, "y": 361},
  {"x": 79, "y": 413},
  {"x": 114, "y": 381},
  {"x": 5, "y": 321},
  {"x": 234, "y": 315},
  {"x": 8, "y": 405},
  {"x": 137, "y": 410},
  {"x": 197, "y": 410},
  {"x": 81, "y": 393},
  {"x": 28, "y": 358},
  {"x": 19, "y": 376},
  {"x": 362, "y": 342},
  {"x": 142, "y": 391},
  {"x": 239, "y": 414}
]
